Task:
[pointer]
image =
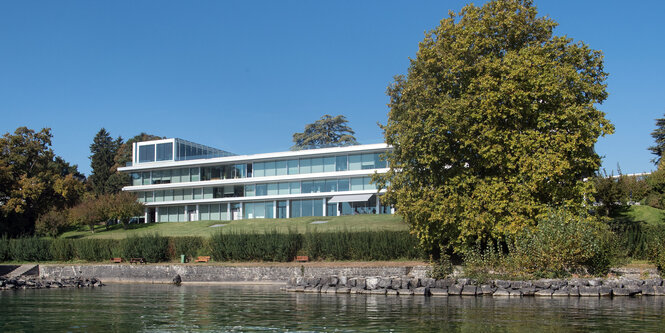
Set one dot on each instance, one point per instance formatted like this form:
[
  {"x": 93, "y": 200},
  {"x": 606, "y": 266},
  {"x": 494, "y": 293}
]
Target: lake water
[{"x": 130, "y": 308}]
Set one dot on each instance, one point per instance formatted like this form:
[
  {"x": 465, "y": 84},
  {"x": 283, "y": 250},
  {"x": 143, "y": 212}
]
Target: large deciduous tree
[
  {"x": 328, "y": 131},
  {"x": 33, "y": 180},
  {"x": 495, "y": 122},
  {"x": 103, "y": 151}
]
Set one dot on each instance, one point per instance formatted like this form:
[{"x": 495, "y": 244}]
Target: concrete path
[{"x": 28, "y": 269}]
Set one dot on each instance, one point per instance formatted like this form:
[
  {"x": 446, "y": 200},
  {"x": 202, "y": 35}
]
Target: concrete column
[
  {"x": 240, "y": 214},
  {"x": 156, "y": 214},
  {"x": 288, "y": 208},
  {"x": 339, "y": 209},
  {"x": 378, "y": 205},
  {"x": 186, "y": 213},
  {"x": 274, "y": 209},
  {"x": 228, "y": 212},
  {"x": 325, "y": 210},
  {"x": 198, "y": 216},
  {"x": 392, "y": 210},
  {"x": 145, "y": 215}
]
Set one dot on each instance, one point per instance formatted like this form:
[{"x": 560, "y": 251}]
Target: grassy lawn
[
  {"x": 204, "y": 228},
  {"x": 644, "y": 213}
]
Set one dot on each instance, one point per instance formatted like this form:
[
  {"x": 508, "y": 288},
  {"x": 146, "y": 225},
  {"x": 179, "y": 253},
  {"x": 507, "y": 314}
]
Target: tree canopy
[
  {"x": 659, "y": 136},
  {"x": 495, "y": 122},
  {"x": 328, "y": 131},
  {"x": 103, "y": 151},
  {"x": 33, "y": 180}
]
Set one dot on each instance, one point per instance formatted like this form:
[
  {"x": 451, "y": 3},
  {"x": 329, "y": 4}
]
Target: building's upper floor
[{"x": 173, "y": 166}]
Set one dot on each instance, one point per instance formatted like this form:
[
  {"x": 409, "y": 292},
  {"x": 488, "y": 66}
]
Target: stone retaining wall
[
  {"x": 405, "y": 285},
  {"x": 164, "y": 273}
]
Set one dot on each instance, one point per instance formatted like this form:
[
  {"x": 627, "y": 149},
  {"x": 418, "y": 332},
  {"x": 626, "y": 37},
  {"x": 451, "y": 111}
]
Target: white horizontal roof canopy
[{"x": 350, "y": 198}]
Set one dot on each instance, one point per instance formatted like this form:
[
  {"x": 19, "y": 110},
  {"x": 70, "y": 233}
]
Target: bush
[
  {"x": 562, "y": 244},
  {"x": 51, "y": 223},
  {"x": 62, "y": 249},
  {"x": 271, "y": 246},
  {"x": 153, "y": 248},
  {"x": 97, "y": 249},
  {"x": 4, "y": 248},
  {"x": 30, "y": 249},
  {"x": 364, "y": 245},
  {"x": 190, "y": 246}
]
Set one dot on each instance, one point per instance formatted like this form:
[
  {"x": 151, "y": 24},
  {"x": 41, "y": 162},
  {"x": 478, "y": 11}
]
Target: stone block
[
  {"x": 589, "y": 291},
  {"x": 438, "y": 292},
  {"x": 501, "y": 293},
  {"x": 372, "y": 283},
  {"x": 395, "y": 283},
  {"x": 377, "y": 292},
  {"x": 528, "y": 291},
  {"x": 391, "y": 292},
  {"x": 515, "y": 293},
  {"x": 605, "y": 291},
  {"x": 384, "y": 282},
  {"x": 455, "y": 289},
  {"x": 563, "y": 292},
  {"x": 344, "y": 290},
  {"x": 463, "y": 281},
  {"x": 620, "y": 292},
  {"x": 659, "y": 290},
  {"x": 595, "y": 282},
  {"x": 574, "y": 291},
  {"x": 542, "y": 284},
  {"x": 469, "y": 290},
  {"x": 405, "y": 292},
  {"x": 444, "y": 283},
  {"x": 428, "y": 282},
  {"x": 487, "y": 289},
  {"x": 502, "y": 284},
  {"x": 421, "y": 291}
]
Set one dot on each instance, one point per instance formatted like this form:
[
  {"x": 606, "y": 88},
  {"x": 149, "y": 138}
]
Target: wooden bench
[
  {"x": 302, "y": 258},
  {"x": 202, "y": 259},
  {"x": 116, "y": 260},
  {"x": 137, "y": 261}
]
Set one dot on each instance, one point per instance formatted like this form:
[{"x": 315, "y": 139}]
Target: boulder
[
  {"x": 501, "y": 284},
  {"x": 589, "y": 291},
  {"x": 487, "y": 289},
  {"x": 542, "y": 284},
  {"x": 428, "y": 282},
  {"x": 528, "y": 291},
  {"x": 371, "y": 283},
  {"x": 620, "y": 292},
  {"x": 421, "y": 291},
  {"x": 377, "y": 292},
  {"x": 391, "y": 292},
  {"x": 395, "y": 283},
  {"x": 444, "y": 283},
  {"x": 405, "y": 292},
  {"x": 384, "y": 282},
  {"x": 605, "y": 291},
  {"x": 501, "y": 293},
  {"x": 515, "y": 293}
]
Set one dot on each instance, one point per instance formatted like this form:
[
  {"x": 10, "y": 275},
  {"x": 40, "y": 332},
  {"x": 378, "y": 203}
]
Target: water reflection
[{"x": 260, "y": 308}]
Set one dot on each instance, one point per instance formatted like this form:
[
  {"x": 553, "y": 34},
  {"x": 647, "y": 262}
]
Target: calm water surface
[{"x": 130, "y": 308}]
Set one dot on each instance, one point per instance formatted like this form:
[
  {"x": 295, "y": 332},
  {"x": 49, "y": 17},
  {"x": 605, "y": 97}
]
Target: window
[
  {"x": 280, "y": 168},
  {"x": 293, "y": 167},
  {"x": 283, "y": 188},
  {"x": 379, "y": 163},
  {"x": 165, "y": 151},
  {"x": 357, "y": 184},
  {"x": 295, "y": 187},
  {"x": 340, "y": 163},
  {"x": 259, "y": 169},
  {"x": 136, "y": 178},
  {"x": 194, "y": 174},
  {"x": 355, "y": 162},
  {"x": 329, "y": 164},
  {"x": 249, "y": 190},
  {"x": 146, "y": 153},
  {"x": 343, "y": 184},
  {"x": 317, "y": 164},
  {"x": 272, "y": 189},
  {"x": 261, "y": 189},
  {"x": 367, "y": 161},
  {"x": 270, "y": 169},
  {"x": 305, "y": 165},
  {"x": 331, "y": 185}
]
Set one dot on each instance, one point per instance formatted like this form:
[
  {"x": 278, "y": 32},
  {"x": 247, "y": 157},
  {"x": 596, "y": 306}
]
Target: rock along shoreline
[
  {"x": 406, "y": 285},
  {"x": 35, "y": 282}
]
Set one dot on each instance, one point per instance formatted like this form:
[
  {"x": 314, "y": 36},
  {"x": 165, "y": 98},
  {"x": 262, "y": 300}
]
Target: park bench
[
  {"x": 302, "y": 258},
  {"x": 137, "y": 261},
  {"x": 116, "y": 260},
  {"x": 202, "y": 259}
]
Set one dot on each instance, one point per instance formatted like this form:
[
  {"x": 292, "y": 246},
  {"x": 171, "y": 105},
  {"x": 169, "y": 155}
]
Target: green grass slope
[
  {"x": 205, "y": 228},
  {"x": 643, "y": 213}
]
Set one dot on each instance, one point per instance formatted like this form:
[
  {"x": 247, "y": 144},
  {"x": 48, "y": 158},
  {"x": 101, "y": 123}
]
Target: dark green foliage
[
  {"x": 103, "y": 150},
  {"x": 4, "y": 248},
  {"x": 641, "y": 241},
  {"x": 366, "y": 245},
  {"x": 97, "y": 249},
  {"x": 62, "y": 250},
  {"x": 190, "y": 246},
  {"x": 659, "y": 136},
  {"x": 30, "y": 249},
  {"x": 153, "y": 248},
  {"x": 271, "y": 246},
  {"x": 328, "y": 131}
]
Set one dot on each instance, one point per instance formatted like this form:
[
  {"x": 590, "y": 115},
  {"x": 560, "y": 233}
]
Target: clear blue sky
[{"x": 245, "y": 75}]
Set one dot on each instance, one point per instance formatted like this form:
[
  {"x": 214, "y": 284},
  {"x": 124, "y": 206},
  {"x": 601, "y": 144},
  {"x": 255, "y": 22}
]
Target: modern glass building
[{"x": 183, "y": 181}]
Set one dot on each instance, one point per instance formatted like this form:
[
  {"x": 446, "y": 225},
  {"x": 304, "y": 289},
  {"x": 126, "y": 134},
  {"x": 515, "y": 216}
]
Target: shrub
[
  {"x": 562, "y": 244},
  {"x": 62, "y": 249},
  {"x": 51, "y": 223},
  {"x": 271, "y": 246},
  {"x": 154, "y": 248},
  {"x": 363, "y": 245},
  {"x": 30, "y": 249},
  {"x": 190, "y": 246},
  {"x": 96, "y": 249},
  {"x": 4, "y": 248}
]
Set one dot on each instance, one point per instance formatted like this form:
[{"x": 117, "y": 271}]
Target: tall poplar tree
[
  {"x": 494, "y": 123},
  {"x": 103, "y": 150}
]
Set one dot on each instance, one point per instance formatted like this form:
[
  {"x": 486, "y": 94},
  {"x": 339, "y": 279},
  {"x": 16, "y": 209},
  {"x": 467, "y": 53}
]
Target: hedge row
[{"x": 273, "y": 246}]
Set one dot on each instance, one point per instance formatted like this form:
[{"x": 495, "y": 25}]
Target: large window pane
[
  {"x": 272, "y": 189},
  {"x": 307, "y": 207},
  {"x": 204, "y": 213},
  {"x": 357, "y": 184},
  {"x": 343, "y": 184},
  {"x": 318, "y": 186},
  {"x": 207, "y": 193},
  {"x": 293, "y": 167},
  {"x": 307, "y": 187},
  {"x": 249, "y": 190},
  {"x": 165, "y": 151},
  {"x": 367, "y": 161},
  {"x": 340, "y": 163},
  {"x": 198, "y": 193},
  {"x": 331, "y": 185},
  {"x": 270, "y": 169},
  {"x": 146, "y": 178},
  {"x": 317, "y": 164},
  {"x": 295, "y": 208},
  {"x": 283, "y": 188},
  {"x": 295, "y": 187},
  {"x": 379, "y": 163},
  {"x": 269, "y": 210},
  {"x": 355, "y": 162},
  {"x": 136, "y": 178},
  {"x": 146, "y": 153},
  {"x": 240, "y": 171},
  {"x": 280, "y": 168},
  {"x": 305, "y": 165},
  {"x": 367, "y": 184},
  {"x": 318, "y": 207},
  {"x": 187, "y": 194},
  {"x": 214, "y": 212},
  {"x": 329, "y": 164},
  {"x": 261, "y": 189},
  {"x": 194, "y": 174},
  {"x": 259, "y": 169},
  {"x": 176, "y": 176}
]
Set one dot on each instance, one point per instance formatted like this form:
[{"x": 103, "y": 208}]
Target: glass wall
[
  {"x": 308, "y": 207},
  {"x": 165, "y": 151},
  {"x": 214, "y": 212},
  {"x": 146, "y": 153},
  {"x": 232, "y": 171},
  {"x": 319, "y": 164},
  {"x": 258, "y": 210},
  {"x": 171, "y": 214}
]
